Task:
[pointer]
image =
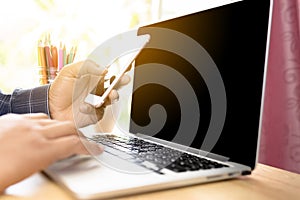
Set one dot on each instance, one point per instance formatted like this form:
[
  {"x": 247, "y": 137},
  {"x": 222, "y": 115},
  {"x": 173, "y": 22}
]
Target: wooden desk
[{"x": 265, "y": 183}]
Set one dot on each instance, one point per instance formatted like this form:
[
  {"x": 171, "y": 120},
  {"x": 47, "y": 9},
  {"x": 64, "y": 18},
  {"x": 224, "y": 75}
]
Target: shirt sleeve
[{"x": 25, "y": 101}]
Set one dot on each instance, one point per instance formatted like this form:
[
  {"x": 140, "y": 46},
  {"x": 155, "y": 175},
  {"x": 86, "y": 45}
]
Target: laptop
[{"x": 196, "y": 107}]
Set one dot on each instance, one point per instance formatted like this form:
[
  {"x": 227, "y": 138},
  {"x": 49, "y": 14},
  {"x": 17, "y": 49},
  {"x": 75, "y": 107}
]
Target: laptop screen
[{"x": 199, "y": 81}]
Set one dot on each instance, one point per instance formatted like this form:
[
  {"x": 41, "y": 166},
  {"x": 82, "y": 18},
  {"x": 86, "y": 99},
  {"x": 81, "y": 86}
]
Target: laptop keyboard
[{"x": 153, "y": 156}]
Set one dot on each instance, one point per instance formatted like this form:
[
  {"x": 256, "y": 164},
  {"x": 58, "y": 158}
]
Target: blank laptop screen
[{"x": 200, "y": 79}]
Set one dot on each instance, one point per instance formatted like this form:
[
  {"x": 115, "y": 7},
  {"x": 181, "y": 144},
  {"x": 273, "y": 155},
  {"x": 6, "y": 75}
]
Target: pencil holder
[
  {"x": 52, "y": 58},
  {"x": 45, "y": 75},
  {"x": 42, "y": 75}
]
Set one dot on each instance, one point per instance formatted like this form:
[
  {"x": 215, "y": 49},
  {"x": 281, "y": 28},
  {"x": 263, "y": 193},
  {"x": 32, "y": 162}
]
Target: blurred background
[{"x": 74, "y": 22}]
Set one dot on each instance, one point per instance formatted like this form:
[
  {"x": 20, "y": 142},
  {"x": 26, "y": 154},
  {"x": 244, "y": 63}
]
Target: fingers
[
  {"x": 124, "y": 80},
  {"x": 49, "y": 128},
  {"x": 39, "y": 119},
  {"x": 89, "y": 109},
  {"x": 64, "y": 141},
  {"x": 91, "y": 147},
  {"x": 113, "y": 95},
  {"x": 112, "y": 98},
  {"x": 36, "y": 116},
  {"x": 91, "y": 113},
  {"x": 41, "y": 141},
  {"x": 59, "y": 129},
  {"x": 99, "y": 114},
  {"x": 70, "y": 145}
]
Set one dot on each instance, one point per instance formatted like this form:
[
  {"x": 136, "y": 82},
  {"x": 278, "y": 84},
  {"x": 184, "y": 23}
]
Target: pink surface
[{"x": 280, "y": 142}]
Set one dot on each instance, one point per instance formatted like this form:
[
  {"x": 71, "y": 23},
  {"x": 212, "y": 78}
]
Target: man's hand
[
  {"x": 69, "y": 89},
  {"x": 31, "y": 142}
]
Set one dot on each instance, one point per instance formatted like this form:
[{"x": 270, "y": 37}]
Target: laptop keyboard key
[{"x": 154, "y": 156}]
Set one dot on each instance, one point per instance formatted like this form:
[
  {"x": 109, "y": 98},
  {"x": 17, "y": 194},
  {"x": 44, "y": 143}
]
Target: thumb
[
  {"x": 89, "y": 67},
  {"x": 86, "y": 108}
]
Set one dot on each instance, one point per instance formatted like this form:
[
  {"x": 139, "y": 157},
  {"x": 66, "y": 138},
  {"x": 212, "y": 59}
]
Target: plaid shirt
[{"x": 25, "y": 101}]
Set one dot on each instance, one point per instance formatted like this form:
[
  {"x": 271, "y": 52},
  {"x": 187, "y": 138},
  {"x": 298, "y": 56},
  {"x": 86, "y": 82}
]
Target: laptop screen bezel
[{"x": 253, "y": 162}]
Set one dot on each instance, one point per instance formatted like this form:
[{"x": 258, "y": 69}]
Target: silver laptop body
[{"x": 233, "y": 43}]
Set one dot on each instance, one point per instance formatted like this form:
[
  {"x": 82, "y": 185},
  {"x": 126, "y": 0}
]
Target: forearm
[{"x": 25, "y": 101}]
